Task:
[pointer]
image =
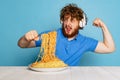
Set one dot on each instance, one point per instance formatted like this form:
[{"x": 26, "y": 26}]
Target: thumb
[
  {"x": 94, "y": 24},
  {"x": 36, "y": 38}
]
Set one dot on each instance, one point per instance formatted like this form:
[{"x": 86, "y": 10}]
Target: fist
[
  {"x": 31, "y": 35},
  {"x": 99, "y": 23}
]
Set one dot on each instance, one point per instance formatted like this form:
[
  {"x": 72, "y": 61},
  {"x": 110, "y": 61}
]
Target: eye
[
  {"x": 73, "y": 20},
  {"x": 65, "y": 20}
]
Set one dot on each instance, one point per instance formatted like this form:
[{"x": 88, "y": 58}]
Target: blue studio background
[{"x": 20, "y": 16}]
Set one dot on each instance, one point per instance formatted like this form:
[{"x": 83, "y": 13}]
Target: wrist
[{"x": 38, "y": 42}]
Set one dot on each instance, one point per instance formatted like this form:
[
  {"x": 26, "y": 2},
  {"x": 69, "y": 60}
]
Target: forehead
[{"x": 69, "y": 17}]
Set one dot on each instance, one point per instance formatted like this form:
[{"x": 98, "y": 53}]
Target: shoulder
[
  {"x": 89, "y": 42},
  {"x": 85, "y": 38}
]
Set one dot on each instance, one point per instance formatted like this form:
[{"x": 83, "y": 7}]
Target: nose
[{"x": 68, "y": 22}]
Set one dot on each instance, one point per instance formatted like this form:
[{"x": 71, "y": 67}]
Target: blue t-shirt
[{"x": 71, "y": 51}]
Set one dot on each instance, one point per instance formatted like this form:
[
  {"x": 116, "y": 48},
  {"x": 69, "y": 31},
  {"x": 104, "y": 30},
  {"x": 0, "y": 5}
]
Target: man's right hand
[
  {"x": 31, "y": 35},
  {"x": 28, "y": 40}
]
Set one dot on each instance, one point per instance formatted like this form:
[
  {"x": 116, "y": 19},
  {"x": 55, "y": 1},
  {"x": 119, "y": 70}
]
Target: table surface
[{"x": 72, "y": 73}]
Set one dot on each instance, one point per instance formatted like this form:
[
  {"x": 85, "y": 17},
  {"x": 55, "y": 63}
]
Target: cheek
[
  {"x": 64, "y": 26},
  {"x": 75, "y": 24}
]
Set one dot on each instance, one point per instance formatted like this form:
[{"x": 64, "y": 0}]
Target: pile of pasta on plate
[{"x": 47, "y": 57}]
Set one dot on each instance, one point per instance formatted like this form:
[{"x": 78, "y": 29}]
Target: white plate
[{"x": 47, "y": 69}]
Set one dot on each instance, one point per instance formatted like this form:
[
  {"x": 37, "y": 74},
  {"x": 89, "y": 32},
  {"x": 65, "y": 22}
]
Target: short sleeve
[
  {"x": 92, "y": 44},
  {"x": 38, "y": 42}
]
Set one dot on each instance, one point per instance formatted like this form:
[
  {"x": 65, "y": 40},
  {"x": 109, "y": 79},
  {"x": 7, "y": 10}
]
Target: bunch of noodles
[{"x": 48, "y": 46}]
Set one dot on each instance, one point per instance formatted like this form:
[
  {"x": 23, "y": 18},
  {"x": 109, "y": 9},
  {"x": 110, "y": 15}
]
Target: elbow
[
  {"x": 111, "y": 50},
  {"x": 20, "y": 44}
]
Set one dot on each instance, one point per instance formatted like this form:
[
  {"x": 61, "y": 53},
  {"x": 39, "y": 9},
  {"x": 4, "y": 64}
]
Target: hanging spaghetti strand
[{"x": 48, "y": 47}]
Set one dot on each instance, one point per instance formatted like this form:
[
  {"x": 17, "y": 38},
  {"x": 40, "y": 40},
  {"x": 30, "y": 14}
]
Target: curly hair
[{"x": 74, "y": 11}]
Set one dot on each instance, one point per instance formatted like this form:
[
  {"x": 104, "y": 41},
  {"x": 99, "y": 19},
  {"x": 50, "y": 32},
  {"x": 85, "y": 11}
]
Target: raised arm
[
  {"x": 107, "y": 45},
  {"x": 28, "y": 40}
]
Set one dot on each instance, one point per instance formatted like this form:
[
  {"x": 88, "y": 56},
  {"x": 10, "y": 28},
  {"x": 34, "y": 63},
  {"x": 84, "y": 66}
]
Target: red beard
[{"x": 74, "y": 33}]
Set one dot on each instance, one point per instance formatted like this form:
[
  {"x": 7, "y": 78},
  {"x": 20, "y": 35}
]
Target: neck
[{"x": 69, "y": 39}]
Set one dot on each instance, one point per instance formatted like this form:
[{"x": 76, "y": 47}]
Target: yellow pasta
[{"x": 48, "y": 46}]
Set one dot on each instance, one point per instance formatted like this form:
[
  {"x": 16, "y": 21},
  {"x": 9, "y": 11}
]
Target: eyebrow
[{"x": 72, "y": 18}]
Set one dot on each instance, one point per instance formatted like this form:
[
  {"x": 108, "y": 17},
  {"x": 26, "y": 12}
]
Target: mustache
[
  {"x": 67, "y": 26},
  {"x": 75, "y": 32}
]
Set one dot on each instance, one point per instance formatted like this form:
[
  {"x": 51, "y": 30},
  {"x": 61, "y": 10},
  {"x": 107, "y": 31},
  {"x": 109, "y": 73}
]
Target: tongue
[{"x": 68, "y": 29}]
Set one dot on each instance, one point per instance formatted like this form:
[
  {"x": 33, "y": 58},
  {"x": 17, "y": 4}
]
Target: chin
[{"x": 71, "y": 34}]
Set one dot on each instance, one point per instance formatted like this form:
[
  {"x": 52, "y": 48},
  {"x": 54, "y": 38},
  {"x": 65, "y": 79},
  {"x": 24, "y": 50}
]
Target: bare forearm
[{"x": 23, "y": 43}]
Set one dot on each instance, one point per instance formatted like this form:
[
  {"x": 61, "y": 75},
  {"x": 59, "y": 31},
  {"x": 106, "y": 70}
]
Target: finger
[
  {"x": 95, "y": 24},
  {"x": 27, "y": 38},
  {"x": 32, "y": 36},
  {"x": 35, "y": 34},
  {"x": 36, "y": 38}
]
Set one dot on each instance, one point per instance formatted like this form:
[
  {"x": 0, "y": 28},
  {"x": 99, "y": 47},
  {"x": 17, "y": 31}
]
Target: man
[{"x": 70, "y": 44}]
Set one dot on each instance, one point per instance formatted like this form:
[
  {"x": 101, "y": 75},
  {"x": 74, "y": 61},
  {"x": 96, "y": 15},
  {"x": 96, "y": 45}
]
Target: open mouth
[{"x": 68, "y": 29}]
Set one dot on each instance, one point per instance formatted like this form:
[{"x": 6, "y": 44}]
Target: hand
[
  {"x": 98, "y": 22},
  {"x": 31, "y": 35}
]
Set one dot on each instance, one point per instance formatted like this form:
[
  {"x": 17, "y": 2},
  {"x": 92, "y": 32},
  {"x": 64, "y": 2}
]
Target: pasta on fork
[{"x": 48, "y": 59}]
